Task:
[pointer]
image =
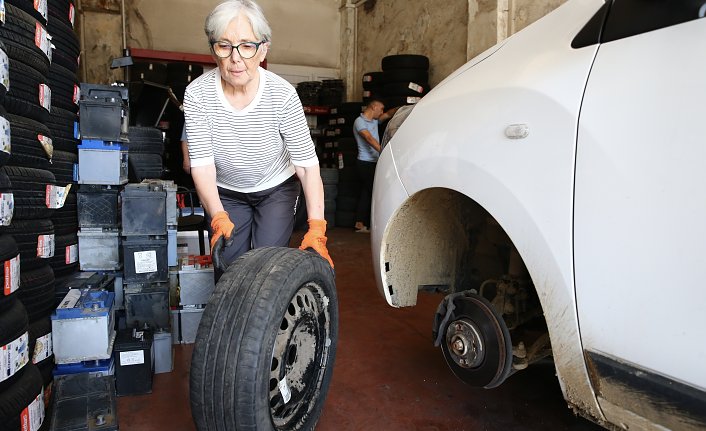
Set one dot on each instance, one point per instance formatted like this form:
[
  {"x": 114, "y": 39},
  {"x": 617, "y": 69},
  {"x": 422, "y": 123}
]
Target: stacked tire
[
  {"x": 329, "y": 176},
  {"x": 145, "y": 153},
  {"x": 40, "y": 98},
  {"x": 406, "y": 79}
]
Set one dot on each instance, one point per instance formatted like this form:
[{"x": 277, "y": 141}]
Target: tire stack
[
  {"x": 373, "y": 86},
  {"x": 64, "y": 85},
  {"x": 329, "y": 176},
  {"x": 145, "y": 153},
  {"x": 26, "y": 232},
  {"x": 348, "y": 188},
  {"x": 406, "y": 79}
]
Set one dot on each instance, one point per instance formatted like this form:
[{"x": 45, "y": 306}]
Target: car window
[{"x": 632, "y": 17}]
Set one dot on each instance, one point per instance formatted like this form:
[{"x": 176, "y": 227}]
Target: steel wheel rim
[{"x": 299, "y": 356}]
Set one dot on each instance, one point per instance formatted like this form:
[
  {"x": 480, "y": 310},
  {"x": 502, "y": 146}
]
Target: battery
[
  {"x": 134, "y": 362},
  {"x": 84, "y": 402},
  {"x": 83, "y": 326}
]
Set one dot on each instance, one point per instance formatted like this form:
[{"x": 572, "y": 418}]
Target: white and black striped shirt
[{"x": 255, "y": 148}]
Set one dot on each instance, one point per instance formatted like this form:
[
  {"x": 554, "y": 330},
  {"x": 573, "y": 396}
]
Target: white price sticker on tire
[
  {"x": 71, "y": 254},
  {"x": 45, "y": 97},
  {"x": 42, "y": 40},
  {"x": 14, "y": 356},
  {"x": 32, "y": 417},
  {"x": 11, "y": 280},
  {"x": 5, "y": 136},
  {"x": 43, "y": 348},
  {"x": 45, "y": 246},
  {"x": 4, "y": 70},
  {"x": 56, "y": 196},
  {"x": 41, "y": 7},
  {"x": 145, "y": 261}
]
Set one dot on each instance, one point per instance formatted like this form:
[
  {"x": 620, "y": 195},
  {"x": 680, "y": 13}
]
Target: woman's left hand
[{"x": 316, "y": 238}]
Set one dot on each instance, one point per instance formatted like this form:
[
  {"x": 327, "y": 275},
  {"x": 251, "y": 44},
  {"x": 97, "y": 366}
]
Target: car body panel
[
  {"x": 526, "y": 184},
  {"x": 639, "y": 214}
]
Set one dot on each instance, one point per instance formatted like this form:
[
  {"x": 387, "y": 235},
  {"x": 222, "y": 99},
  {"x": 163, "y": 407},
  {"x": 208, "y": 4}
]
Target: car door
[{"x": 640, "y": 215}]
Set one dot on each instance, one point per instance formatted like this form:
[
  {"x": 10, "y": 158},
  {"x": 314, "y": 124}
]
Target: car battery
[
  {"x": 143, "y": 210},
  {"x": 104, "y": 112},
  {"x": 84, "y": 402},
  {"x": 83, "y": 326},
  {"x": 170, "y": 189},
  {"x": 99, "y": 250},
  {"x": 98, "y": 206},
  {"x": 134, "y": 362},
  {"x": 97, "y": 368},
  {"x": 196, "y": 284},
  {"x": 163, "y": 352},
  {"x": 102, "y": 162},
  {"x": 176, "y": 325},
  {"x": 147, "y": 304},
  {"x": 88, "y": 280},
  {"x": 189, "y": 319},
  {"x": 146, "y": 259}
]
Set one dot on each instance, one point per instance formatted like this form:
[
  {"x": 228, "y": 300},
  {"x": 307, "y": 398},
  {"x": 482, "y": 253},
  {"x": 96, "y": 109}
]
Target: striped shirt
[{"x": 255, "y": 148}]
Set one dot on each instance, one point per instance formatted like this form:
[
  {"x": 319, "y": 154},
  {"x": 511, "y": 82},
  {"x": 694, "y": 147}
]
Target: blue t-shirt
[{"x": 366, "y": 152}]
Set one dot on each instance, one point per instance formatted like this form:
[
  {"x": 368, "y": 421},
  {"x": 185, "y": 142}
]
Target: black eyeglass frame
[{"x": 236, "y": 47}]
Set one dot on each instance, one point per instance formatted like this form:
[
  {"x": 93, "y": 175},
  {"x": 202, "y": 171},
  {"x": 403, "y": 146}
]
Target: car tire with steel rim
[{"x": 265, "y": 347}]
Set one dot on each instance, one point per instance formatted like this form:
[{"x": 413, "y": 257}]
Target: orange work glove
[
  {"x": 223, "y": 233},
  {"x": 316, "y": 238}
]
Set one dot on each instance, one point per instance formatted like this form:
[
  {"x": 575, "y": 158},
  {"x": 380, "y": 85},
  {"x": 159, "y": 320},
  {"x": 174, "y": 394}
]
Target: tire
[
  {"x": 146, "y": 140},
  {"x": 8, "y": 251},
  {"x": 62, "y": 10},
  {"x": 62, "y": 124},
  {"x": 29, "y": 8},
  {"x": 142, "y": 166},
  {"x": 7, "y": 200},
  {"x": 58, "y": 262},
  {"x": 26, "y": 234},
  {"x": 65, "y": 219},
  {"x": 330, "y": 191},
  {"x": 67, "y": 44},
  {"x": 64, "y": 88},
  {"x": 19, "y": 396},
  {"x": 6, "y": 137},
  {"x": 62, "y": 166},
  {"x": 353, "y": 108},
  {"x": 29, "y": 138},
  {"x": 37, "y": 330},
  {"x": 4, "y": 72},
  {"x": 29, "y": 187},
  {"x": 407, "y": 88},
  {"x": 14, "y": 323},
  {"x": 37, "y": 292},
  {"x": 267, "y": 300},
  {"x": 395, "y": 101},
  {"x": 18, "y": 35},
  {"x": 27, "y": 89},
  {"x": 405, "y": 61},
  {"x": 373, "y": 80},
  {"x": 402, "y": 75}
]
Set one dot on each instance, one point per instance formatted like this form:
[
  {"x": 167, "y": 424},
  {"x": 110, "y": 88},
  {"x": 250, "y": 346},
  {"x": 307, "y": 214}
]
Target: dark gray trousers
[{"x": 261, "y": 219}]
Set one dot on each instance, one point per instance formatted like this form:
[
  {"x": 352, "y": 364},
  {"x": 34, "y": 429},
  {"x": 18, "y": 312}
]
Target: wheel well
[{"x": 442, "y": 240}]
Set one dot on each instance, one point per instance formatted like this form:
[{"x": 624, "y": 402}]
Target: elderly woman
[{"x": 248, "y": 138}]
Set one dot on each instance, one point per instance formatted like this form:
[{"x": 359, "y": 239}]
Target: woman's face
[{"x": 235, "y": 70}]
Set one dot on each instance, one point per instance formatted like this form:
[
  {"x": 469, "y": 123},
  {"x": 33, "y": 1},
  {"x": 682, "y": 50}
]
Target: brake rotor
[{"x": 477, "y": 345}]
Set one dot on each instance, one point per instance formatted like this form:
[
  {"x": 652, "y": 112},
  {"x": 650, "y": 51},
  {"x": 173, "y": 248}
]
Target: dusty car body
[{"x": 553, "y": 188}]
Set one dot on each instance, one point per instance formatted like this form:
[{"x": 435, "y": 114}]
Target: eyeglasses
[{"x": 246, "y": 50}]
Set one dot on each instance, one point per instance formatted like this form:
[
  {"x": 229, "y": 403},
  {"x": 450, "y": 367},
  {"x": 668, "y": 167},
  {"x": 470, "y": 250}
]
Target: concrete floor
[{"x": 387, "y": 376}]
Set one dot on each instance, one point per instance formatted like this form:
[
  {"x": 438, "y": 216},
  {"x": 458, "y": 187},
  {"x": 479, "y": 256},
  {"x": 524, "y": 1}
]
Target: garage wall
[
  {"x": 305, "y": 32},
  {"x": 316, "y": 33}
]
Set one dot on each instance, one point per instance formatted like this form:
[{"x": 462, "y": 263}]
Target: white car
[{"x": 555, "y": 188}]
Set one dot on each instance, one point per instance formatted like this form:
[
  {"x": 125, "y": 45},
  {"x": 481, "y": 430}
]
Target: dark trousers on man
[{"x": 366, "y": 171}]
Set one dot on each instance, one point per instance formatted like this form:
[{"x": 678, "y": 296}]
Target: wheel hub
[{"x": 465, "y": 343}]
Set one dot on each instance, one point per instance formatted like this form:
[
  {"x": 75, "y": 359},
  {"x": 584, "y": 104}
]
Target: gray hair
[{"x": 218, "y": 20}]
